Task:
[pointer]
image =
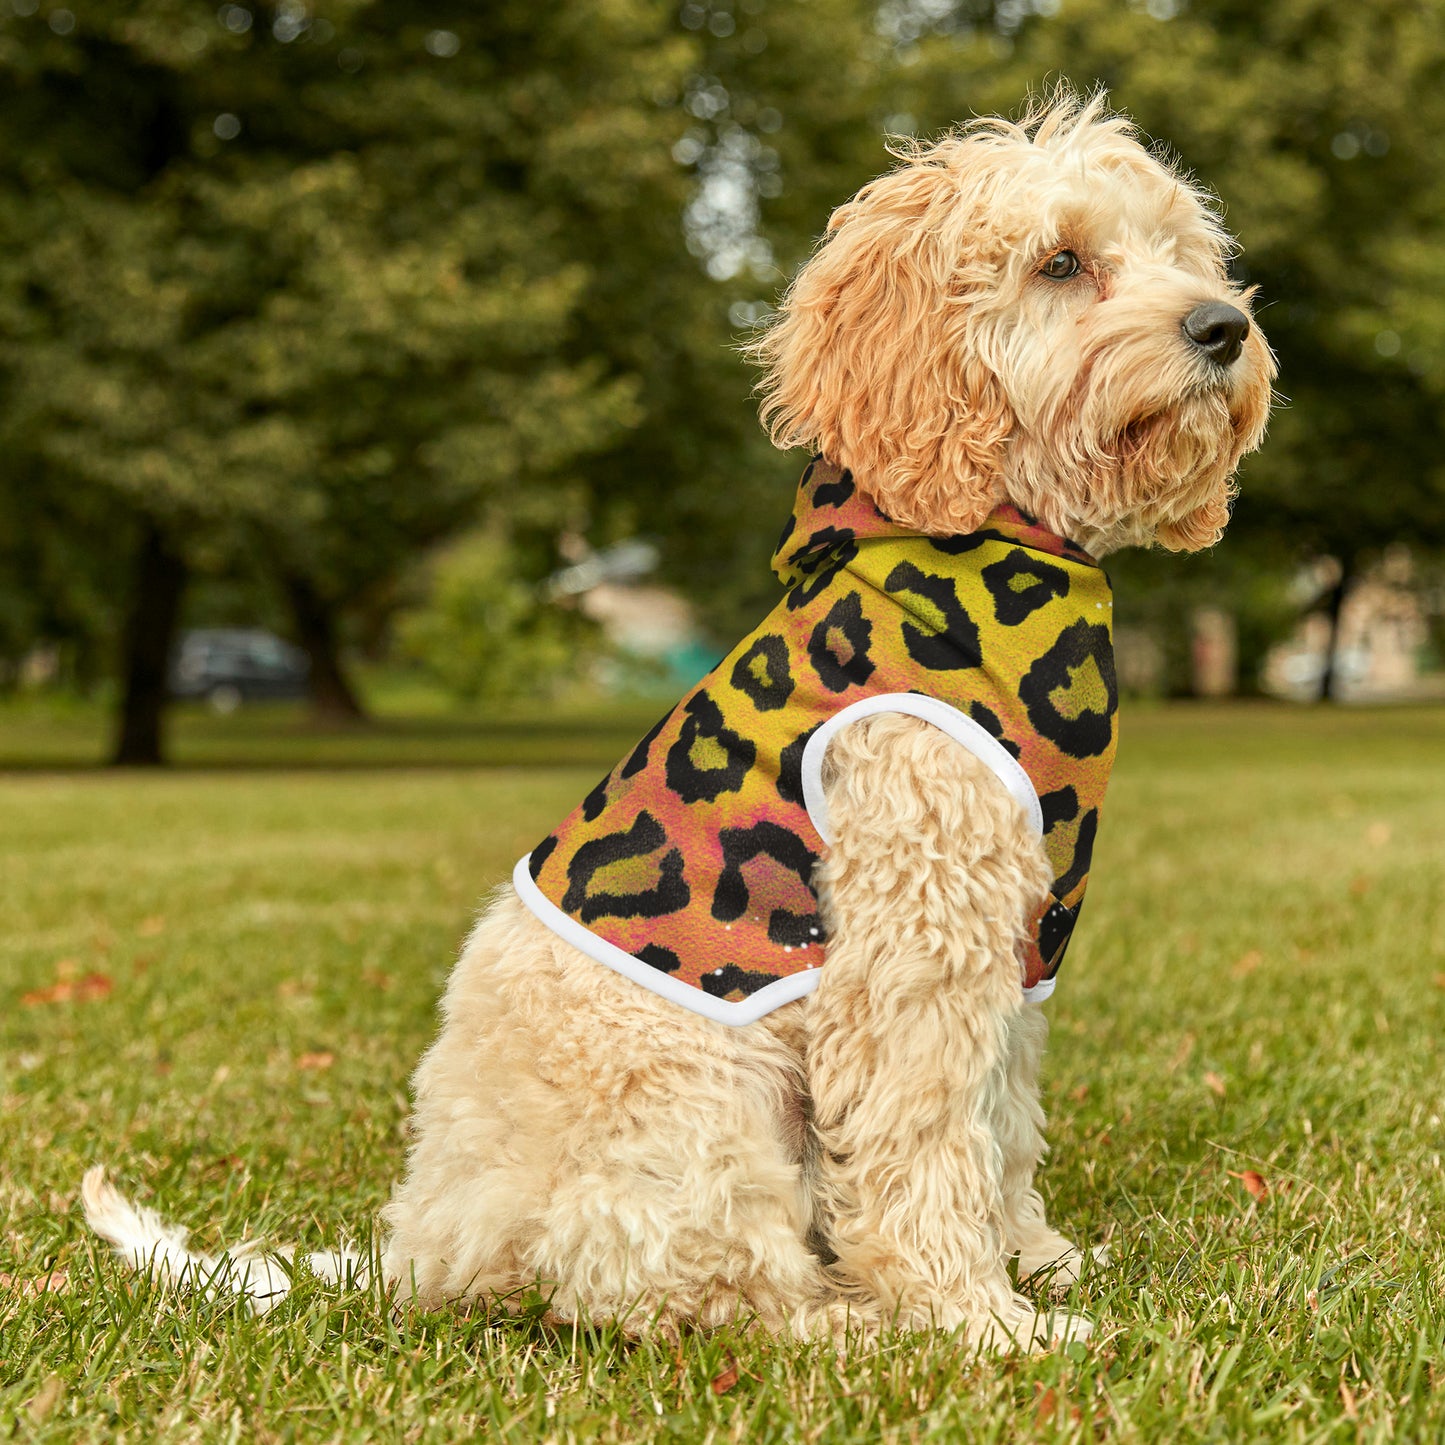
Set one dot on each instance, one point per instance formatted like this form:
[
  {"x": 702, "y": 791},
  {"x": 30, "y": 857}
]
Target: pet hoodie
[{"x": 689, "y": 867}]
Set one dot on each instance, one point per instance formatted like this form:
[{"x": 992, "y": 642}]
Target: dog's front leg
[
  {"x": 1042, "y": 1251},
  {"x": 930, "y": 880}
]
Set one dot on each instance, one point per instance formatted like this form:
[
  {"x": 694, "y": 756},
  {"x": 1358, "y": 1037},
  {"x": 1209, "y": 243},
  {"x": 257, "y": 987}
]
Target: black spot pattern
[
  {"x": 704, "y": 723},
  {"x": 540, "y": 854},
  {"x": 662, "y": 959},
  {"x": 730, "y": 899},
  {"x": 992, "y": 724},
  {"x": 767, "y": 656},
  {"x": 1020, "y": 584},
  {"x": 637, "y": 758},
  {"x": 1060, "y": 806},
  {"x": 1089, "y": 732},
  {"x": 957, "y": 546},
  {"x": 596, "y": 800},
  {"x": 816, "y": 547},
  {"x": 789, "y": 527},
  {"x": 819, "y": 573},
  {"x": 958, "y": 646},
  {"x": 790, "y": 767},
  {"x": 732, "y": 979},
  {"x": 833, "y": 494},
  {"x": 850, "y": 665},
  {"x": 1078, "y": 870},
  {"x": 646, "y": 835}
]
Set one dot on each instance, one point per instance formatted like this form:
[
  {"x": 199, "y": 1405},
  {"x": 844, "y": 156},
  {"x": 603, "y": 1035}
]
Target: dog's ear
[{"x": 872, "y": 358}]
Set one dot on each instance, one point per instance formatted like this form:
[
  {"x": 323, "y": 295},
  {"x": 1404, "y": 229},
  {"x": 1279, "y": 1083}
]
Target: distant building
[
  {"x": 1382, "y": 644},
  {"x": 658, "y": 644}
]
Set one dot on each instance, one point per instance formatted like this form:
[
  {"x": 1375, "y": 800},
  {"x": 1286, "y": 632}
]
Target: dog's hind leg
[
  {"x": 931, "y": 879},
  {"x": 577, "y": 1135}
]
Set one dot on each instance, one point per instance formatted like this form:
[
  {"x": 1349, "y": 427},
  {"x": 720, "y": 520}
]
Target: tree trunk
[
  {"x": 1329, "y": 674},
  {"x": 333, "y": 699},
  {"x": 150, "y": 630}
]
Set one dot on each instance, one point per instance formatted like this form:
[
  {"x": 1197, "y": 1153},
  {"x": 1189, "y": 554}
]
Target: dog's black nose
[{"x": 1217, "y": 330}]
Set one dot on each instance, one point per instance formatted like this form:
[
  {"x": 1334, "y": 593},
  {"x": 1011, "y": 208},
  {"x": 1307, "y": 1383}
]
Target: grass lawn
[{"x": 216, "y": 980}]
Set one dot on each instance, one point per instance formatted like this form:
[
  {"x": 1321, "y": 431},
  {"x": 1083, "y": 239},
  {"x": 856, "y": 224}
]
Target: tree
[{"x": 308, "y": 282}]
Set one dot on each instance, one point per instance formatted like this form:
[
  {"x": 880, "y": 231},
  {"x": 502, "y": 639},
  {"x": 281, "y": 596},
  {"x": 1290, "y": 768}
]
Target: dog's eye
[{"x": 1060, "y": 266}]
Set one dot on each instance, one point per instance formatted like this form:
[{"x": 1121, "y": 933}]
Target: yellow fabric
[{"x": 695, "y": 854}]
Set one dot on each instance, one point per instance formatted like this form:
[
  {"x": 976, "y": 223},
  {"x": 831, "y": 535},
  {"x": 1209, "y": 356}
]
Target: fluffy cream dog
[{"x": 1035, "y": 314}]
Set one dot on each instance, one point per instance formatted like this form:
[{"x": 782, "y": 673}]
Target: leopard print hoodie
[{"x": 689, "y": 867}]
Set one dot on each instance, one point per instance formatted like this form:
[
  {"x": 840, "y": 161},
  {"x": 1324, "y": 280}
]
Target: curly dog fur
[{"x": 865, "y": 1156}]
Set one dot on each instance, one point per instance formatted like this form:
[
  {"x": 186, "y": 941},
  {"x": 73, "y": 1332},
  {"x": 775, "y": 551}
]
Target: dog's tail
[{"x": 147, "y": 1243}]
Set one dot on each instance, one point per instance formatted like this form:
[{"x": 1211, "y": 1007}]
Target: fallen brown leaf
[
  {"x": 1080, "y": 1094},
  {"x": 1440, "y": 980},
  {"x": 56, "y": 1282},
  {"x": 1046, "y": 1407},
  {"x": 1247, "y": 964},
  {"x": 377, "y": 979},
  {"x": 1254, "y": 1182},
  {"x": 56, "y": 993},
  {"x": 321, "y": 1059},
  {"x": 1360, "y": 885},
  {"x": 80, "y": 990},
  {"x": 724, "y": 1382},
  {"x": 1214, "y": 1083},
  {"x": 151, "y": 927}
]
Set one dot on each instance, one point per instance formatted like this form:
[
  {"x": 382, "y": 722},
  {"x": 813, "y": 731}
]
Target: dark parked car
[{"x": 231, "y": 665}]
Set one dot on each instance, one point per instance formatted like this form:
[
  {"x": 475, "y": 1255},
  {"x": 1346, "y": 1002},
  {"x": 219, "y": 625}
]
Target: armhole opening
[{"x": 944, "y": 716}]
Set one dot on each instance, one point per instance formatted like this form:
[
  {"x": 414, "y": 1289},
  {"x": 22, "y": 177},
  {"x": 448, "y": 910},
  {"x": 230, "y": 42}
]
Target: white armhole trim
[
  {"x": 720, "y": 1010},
  {"x": 946, "y": 718}
]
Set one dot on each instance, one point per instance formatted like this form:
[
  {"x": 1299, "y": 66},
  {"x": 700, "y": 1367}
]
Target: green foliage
[
  {"x": 321, "y": 284},
  {"x": 484, "y": 633},
  {"x": 301, "y": 293},
  {"x": 247, "y": 919}
]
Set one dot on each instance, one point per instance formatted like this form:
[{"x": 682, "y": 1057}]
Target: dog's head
[{"x": 1037, "y": 313}]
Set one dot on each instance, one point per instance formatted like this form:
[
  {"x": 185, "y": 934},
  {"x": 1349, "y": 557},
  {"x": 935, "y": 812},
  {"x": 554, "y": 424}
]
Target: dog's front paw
[
  {"x": 1058, "y": 1265},
  {"x": 1023, "y": 1326}
]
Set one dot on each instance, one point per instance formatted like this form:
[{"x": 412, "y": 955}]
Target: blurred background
[{"x": 363, "y": 362}]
